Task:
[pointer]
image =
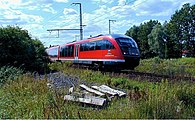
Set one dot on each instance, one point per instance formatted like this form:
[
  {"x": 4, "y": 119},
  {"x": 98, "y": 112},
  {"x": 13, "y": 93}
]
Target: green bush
[
  {"x": 9, "y": 73},
  {"x": 18, "y": 49}
]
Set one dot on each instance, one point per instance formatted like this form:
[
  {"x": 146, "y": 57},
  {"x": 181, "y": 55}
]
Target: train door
[{"x": 76, "y": 52}]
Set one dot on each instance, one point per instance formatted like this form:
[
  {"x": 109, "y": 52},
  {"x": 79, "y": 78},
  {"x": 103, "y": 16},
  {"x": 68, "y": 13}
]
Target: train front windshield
[
  {"x": 127, "y": 42},
  {"x": 128, "y": 46}
]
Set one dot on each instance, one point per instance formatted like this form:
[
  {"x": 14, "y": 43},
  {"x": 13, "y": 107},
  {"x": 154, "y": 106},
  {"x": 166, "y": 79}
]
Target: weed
[
  {"x": 26, "y": 97},
  {"x": 9, "y": 73},
  {"x": 172, "y": 67}
]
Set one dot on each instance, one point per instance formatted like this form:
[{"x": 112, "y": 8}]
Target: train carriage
[{"x": 112, "y": 50}]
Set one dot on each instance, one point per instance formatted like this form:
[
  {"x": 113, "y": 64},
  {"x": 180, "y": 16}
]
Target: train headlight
[{"x": 125, "y": 53}]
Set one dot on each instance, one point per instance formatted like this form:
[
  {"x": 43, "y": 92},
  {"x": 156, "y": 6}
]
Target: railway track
[
  {"x": 142, "y": 76},
  {"x": 152, "y": 77}
]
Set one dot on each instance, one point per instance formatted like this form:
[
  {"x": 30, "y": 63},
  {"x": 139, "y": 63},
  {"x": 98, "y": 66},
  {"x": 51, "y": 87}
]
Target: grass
[
  {"x": 29, "y": 98},
  {"x": 9, "y": 73},
  {"x": 23, "y": 98},
  {"x": 175, "y": 67}
]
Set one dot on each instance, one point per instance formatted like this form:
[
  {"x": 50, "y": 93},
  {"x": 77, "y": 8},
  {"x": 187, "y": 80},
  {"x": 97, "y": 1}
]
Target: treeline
[
  {"x": 18, "y": 49},
  {"x": 167, "y": 40}
]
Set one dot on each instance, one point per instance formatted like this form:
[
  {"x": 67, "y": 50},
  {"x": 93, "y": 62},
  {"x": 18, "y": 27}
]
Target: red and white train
[{"x": 113, "y": 50}]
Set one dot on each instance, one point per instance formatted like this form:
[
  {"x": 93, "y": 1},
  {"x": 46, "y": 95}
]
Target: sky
[{"x": 38, "y": 16}]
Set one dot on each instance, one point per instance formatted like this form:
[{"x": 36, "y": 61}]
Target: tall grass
[
  {"x": 9, "y": 73},
  {"x": 174, "y": 67},
  {"x": 23, "y": 98},
  {"x": 29, "y": 98}
]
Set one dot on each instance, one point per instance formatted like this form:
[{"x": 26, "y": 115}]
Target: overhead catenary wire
[
  {"x": 54, "y": 17},
  {"x": 84, "y": 14},
  {"x": 113, "y": 10},
  {"x": 116, "y": 9}
]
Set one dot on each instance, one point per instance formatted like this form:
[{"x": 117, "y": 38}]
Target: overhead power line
[
  {"x": 116, "y": 9},
  {"x": 50, "y": 30},
  {"x": 81, "y": 25}
]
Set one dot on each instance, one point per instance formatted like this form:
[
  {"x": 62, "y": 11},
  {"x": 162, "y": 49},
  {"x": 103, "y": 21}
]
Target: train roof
[
  {"x": 109, "y": 35},
  {"x": 101, "y": 35},
  {"x": 117, "y": 35}
]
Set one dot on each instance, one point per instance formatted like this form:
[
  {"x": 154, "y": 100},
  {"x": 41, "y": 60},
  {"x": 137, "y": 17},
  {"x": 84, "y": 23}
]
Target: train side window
[
  {"x": 67, "y": 51},
  {"x": 86, "y": 47},
  {"x": 91, "y": 46},
  {"x": 81, "y": 47},
  {"x": 105, "y": 45},
  {"x": 71, "y": 51},
  {"x": 109, "y": 45},
  {"x": 62, "y": 51},
  {"x": 99, "y": 44}
]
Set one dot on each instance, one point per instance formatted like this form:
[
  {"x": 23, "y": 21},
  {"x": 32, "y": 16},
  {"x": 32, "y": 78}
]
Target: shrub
[
  {"x": 18, "y": 49},
  {"x": 9, "y": 73}
]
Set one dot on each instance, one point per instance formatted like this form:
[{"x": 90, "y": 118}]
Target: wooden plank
[
  {"x": 86, "y": 99},
  {"x": 104, "y": 90},
  {"x": 91, "y": 90},
  {"x": 120, "y": 93},
  {"x": 108, "y": 90}
]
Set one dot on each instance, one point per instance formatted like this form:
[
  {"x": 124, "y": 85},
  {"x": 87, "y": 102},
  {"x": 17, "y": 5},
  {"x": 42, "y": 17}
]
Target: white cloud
[
  {"x": 21, "y": 17},
  {"x": 12, "y": 2},
  {"x": 69, "y": 11},
  {"x": 157, "y": 7},
  {"x": 64, "y": 1},
  {"x": 103, "y": 1},
  {"x": 49, "y": 9},
  {"x": 121, "y": 2},
  {"x": 31, "y": 14},
  {"x": 6, "y": 4}
]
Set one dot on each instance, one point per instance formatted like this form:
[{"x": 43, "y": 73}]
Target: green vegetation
[
  {"x": 167, "y": 40},
  {"x": 18, "y": 49},
  {"x": 22, "y": 96},
  {"x": 175, "y": 67},
  {"x": 26, "y": 97},
  {"x": 9, "y": 73}
]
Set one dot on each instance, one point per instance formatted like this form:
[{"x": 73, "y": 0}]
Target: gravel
[{"x": 59, "y": 80}]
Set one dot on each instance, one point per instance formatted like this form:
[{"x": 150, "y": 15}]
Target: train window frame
[
  {"x": 92, "y": 46},
  {"x": 110, "y": 45},
  {"x": 130, "y": 41},
  {"x": 96, "y": 45},
  {"x": 67, "y": 51}
]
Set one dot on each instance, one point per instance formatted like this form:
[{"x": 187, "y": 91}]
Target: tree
[
  {"x": 156, "y": 41},
  {"x": 133, "y": 32},
  {"x": 19, "y": 50},
  {"x": 182, "y": 31},
  {"x": 166, "y": 37},
  {"x": 140, "y": 34}
]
